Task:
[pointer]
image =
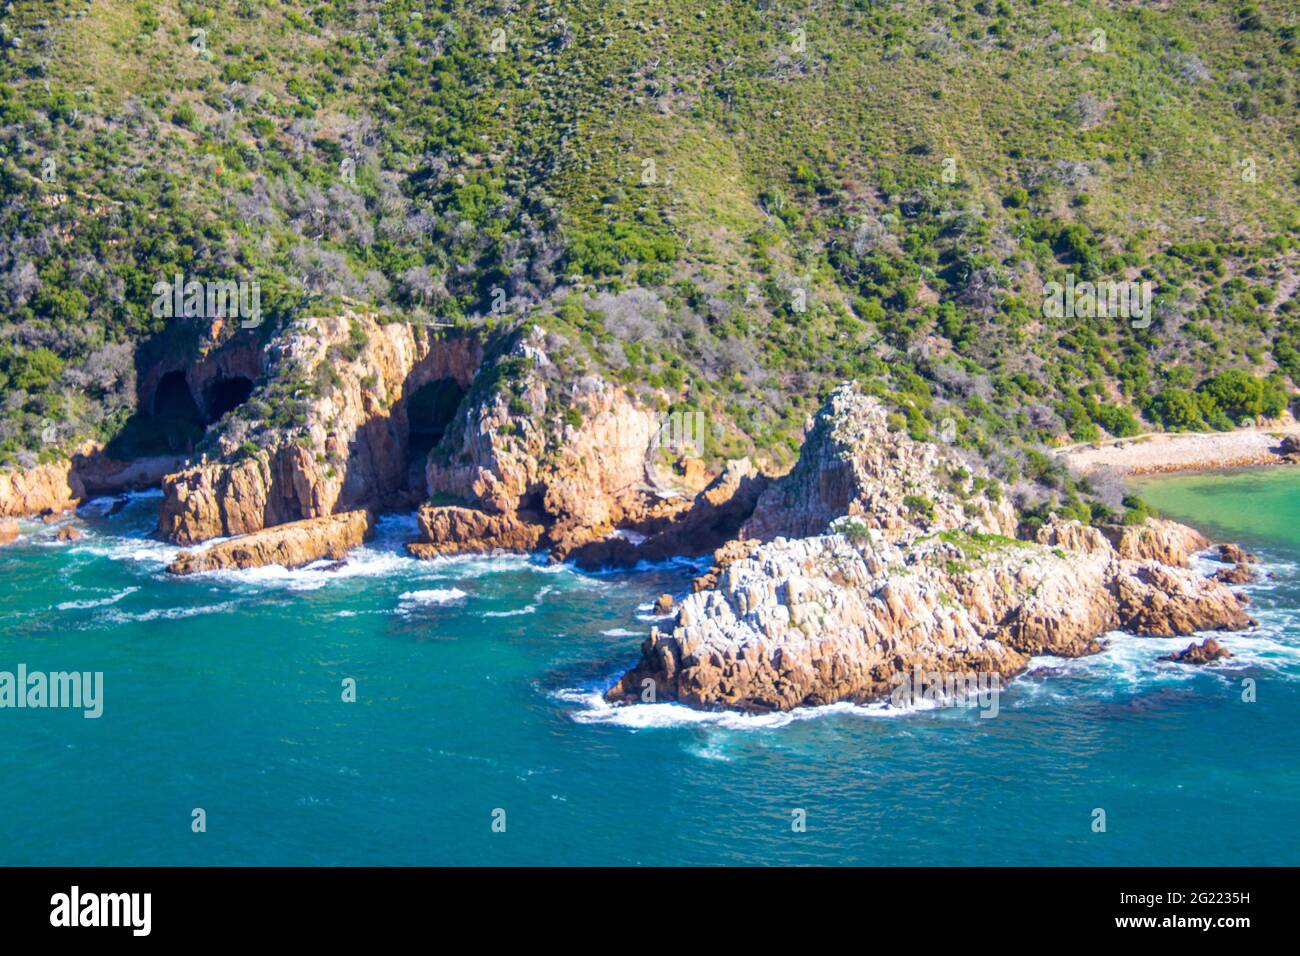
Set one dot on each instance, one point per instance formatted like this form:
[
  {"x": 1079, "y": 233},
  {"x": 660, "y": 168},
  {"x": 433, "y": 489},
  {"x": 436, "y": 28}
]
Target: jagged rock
[
  {"x": 1158, "y": 601},
  {"x": 9, "y": 531},
  {"x": 1207, "y": 651},
  {"x": 292, "y": 545},
  {"x": 664, "y": 605},
  {"x": 68, "y": 533},
  {"x": 450, "y": 530},
  {"x": 791, "y": 621},
  {"x": 1237, "y": 574},
  {"x": 713, "y": 516},
  {"x": 1235, "y": 554},
  {"x": 817, "y": 620},
  {"x": 1158, "y": 539},
  {"x": 852, "y": 464}
]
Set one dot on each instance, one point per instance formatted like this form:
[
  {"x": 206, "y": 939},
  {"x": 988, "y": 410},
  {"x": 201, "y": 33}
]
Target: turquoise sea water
[{"x": 477, "y": 690}]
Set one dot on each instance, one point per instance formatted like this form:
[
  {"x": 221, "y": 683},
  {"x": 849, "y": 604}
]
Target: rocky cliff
[
  {"x": 330, "y": 431},
  {"x": 59, "y": 485},
  {"x": 878, "y": 590},
  {"x": 541, "y": 462}
]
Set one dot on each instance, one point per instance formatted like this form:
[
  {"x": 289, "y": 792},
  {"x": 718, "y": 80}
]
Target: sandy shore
[{"x": 1165, "y": 452}]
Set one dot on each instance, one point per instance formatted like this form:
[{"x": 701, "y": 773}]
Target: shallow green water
[{"x": 478, "y": 686}]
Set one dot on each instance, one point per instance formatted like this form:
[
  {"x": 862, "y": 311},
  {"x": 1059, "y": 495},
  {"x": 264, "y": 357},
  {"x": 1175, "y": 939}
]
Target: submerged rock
[
  {"x": 292, "y": 545},
  {"x": 1207, "y": 651}
]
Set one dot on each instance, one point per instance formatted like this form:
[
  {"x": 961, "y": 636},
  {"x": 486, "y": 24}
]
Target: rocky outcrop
[
  {"x": 1235, "y": 554},
  {"x": 1237, "y": 574},
  {"x": 68, "y": 533},
  {"x": 448, "y": 530},
  {"x": 853, "y": 464},
  {"x": 9, "y": 531},
  {"x": 50, "y": 487},
  {"x": 583, "y": 462},
  {"x": 824, "y": 619},
  {"x": 57, "y": 486},
  {"x": 581, "y": 476},
  {"x": 334, "y": 435},
  {"x": 1160, "y": 540},
  {"x": 710, "y": 519},
  {"x": 885, "y": 587},
  {"x": 292, "y": 545},
  {"x": 1206, "y": 652}
]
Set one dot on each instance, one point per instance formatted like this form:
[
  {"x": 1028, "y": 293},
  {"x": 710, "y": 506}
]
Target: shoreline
[{"x": 1165, "y": 453}]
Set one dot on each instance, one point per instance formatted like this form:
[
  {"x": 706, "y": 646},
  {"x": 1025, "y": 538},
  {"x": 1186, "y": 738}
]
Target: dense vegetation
[{"x": 738, "y": 204}]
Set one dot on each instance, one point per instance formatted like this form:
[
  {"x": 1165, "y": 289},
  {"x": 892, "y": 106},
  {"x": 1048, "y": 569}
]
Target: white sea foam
[
  {"x": 594, "y": 709},
  {"x": 167, "y": 613},
  {"x": 101, "y": 602},
  {"x": 622, "y": 632},
  {"x": 530, "y": 609},
  {"x": 434, "y": 596}
]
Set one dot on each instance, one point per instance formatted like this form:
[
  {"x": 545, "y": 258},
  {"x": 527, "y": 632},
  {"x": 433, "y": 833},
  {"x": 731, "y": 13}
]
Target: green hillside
[{"x": 738, "y": 203}]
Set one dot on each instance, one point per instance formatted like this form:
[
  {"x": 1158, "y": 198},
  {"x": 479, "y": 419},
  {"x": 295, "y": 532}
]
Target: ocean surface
[{"x": 477, "y": 702}]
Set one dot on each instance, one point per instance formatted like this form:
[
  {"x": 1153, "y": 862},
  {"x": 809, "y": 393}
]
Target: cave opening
[
  {"x": 227, "y": 394},
  {"x": 177, "y": 421},
  {"x": 429, "y": 412}
]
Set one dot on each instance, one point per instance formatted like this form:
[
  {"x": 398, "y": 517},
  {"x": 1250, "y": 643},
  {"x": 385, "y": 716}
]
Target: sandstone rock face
[
  {"x": 349, "y": 447},
  {"x": 57, "y": 486},
  {"x": 583, "y": 479},
  {"x": 292, "y": 545},
  {"x": 1159, "y": 540},
  {"x": 8, "y": 531},
  {"x": 448, "y": 530},
  {"x": 703, "y": 525},
  {"x": 51, "y": 487},
  {"x": 1208, "y": 651},
  {"x": 852, "y": 464}
]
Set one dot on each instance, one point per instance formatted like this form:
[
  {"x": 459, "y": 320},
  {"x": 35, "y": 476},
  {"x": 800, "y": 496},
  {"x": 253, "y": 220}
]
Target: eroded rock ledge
[
  {"x": 840, "y": 613},
  {"x": 292, "y": 545}
]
